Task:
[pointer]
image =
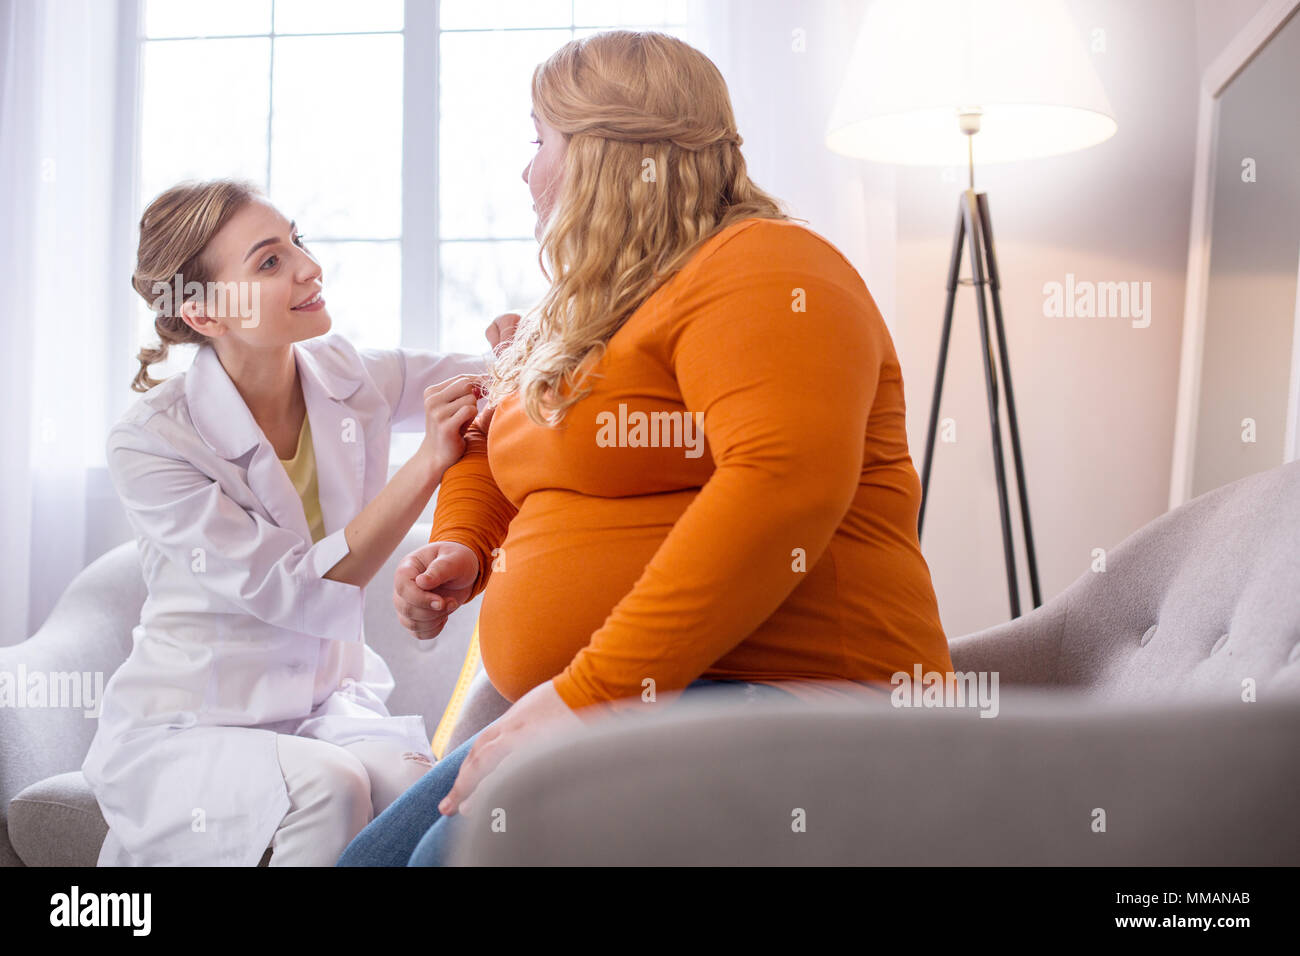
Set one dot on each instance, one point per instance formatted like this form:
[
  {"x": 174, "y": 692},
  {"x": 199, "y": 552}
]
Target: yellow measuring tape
[{"x": 449, "y": 716}]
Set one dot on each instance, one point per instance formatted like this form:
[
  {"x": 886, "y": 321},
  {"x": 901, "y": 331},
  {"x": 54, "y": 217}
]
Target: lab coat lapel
[
  {"x": 225, "y": 423},
  {"x": 337, "y": 438}
]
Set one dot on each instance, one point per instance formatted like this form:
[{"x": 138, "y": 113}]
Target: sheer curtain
[
  {"x": 60, "y": 281},
  {"x": 783, "y": 61}
]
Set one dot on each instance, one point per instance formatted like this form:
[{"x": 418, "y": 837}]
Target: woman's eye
[
  {"x": 299, "y": 241},
  {"x": 269, "y": 261},
  {"x": 538, "y": 142}
]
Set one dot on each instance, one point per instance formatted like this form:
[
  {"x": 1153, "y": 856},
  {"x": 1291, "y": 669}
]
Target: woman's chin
[{"x": 320, "y": 324}]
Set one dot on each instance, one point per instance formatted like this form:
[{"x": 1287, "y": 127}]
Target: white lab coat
[{"x": 240, "y": 636}]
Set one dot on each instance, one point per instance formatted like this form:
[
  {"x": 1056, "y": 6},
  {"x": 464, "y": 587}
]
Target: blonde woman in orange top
[{"x": 696, "y": 466}]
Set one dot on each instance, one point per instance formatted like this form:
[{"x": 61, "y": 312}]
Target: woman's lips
[{"x": 314, "y": 304}]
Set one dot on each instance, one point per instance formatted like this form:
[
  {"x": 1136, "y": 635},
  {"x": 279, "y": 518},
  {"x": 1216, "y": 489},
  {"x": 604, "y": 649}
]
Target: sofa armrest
[
  {"x": 709, "y": 785},
  {"x": 1024, "y": 650},
  {"x": 483, "y": 704},
  {"x": 87, "y": 633}
]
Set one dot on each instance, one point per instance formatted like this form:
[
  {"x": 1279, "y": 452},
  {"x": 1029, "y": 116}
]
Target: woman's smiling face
[
  {"x": 258, "y": 248},
  {"x": 545, "y": 173}
]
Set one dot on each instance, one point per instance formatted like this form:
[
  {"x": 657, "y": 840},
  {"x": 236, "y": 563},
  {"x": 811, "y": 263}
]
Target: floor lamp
[{"x": 925, "y": 79}]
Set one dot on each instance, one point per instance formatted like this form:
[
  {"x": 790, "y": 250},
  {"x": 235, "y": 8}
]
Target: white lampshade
[{"x": 1022, "y": 63}]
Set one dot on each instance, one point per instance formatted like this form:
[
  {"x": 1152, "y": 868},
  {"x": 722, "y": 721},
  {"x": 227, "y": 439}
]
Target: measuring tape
[{"x": 449, "y": 716}]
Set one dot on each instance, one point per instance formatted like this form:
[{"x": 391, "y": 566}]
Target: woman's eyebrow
[{"x": 266, "y": 242}]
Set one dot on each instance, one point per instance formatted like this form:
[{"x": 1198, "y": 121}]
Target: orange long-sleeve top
[{"x": 779, "y": 545}]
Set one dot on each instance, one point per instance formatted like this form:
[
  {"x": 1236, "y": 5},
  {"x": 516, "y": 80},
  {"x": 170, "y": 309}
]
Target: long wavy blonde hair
[{"x": 652, "y": 169}]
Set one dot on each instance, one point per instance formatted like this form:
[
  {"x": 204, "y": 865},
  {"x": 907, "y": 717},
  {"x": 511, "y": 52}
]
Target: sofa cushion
[{"x": 56, "y": 822}]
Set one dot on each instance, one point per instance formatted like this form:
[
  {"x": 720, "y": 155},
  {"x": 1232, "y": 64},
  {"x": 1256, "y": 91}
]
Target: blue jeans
[{"x": 411, "y": 832}]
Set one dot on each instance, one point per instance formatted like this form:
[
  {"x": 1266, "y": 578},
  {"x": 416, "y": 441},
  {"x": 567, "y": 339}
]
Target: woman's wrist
[
  {"x": 478, "y": 565},
  {"x": 432, "y": 460}
]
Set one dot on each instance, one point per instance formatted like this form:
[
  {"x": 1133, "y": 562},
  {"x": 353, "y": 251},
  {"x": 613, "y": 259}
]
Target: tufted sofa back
[{"x": 1202, "y": 602}]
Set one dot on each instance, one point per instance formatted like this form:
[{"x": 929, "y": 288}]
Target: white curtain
[
  {"x": 59, "y": 287},
  {"x": 783, "y": 61}
]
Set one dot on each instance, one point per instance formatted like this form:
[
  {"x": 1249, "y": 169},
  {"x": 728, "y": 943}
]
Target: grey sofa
[
  {"x": 1148, "y": 714},
  {"x": 1125, "y": 735}
]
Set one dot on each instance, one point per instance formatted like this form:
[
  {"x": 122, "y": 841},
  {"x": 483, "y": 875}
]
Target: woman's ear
[{"x": 195, "y": 316}]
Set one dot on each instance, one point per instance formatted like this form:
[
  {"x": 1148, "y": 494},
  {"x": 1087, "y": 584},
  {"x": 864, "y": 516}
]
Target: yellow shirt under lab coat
[{"x": 302, "y": 472}]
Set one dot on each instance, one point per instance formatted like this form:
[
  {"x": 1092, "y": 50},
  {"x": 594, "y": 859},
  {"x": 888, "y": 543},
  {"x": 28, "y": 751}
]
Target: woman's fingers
[
  {"x": 482, "y": 758},
  {"x": 440, "y": 570},
  {"x": 484, "y": 420},
  {"x": 456, "y": 383},
  {"x": 411, "y": 583},
  {"x": 457, "y": 406},
  {"x": 429, "y": 584},
  {"x": 423, "y": 631},
  {"x": 424, "y": 607},
  {"x": 502, "y": 328},
  {"x": 451, "y": 389},
  {"x": 422, "y": 614},
  {"x": 460, "y": 421}
]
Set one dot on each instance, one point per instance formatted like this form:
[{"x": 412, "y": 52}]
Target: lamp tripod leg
[
  {"x": 995, "y": 285},
  {"x": 954, "y": 267},
  {"x": 971, "y": 211}
]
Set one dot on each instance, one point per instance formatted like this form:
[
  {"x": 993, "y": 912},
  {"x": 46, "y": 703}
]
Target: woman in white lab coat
[{"x": 249, "y": 717}]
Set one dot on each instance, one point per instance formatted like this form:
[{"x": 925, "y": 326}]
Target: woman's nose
[
  {"x": 525, "y": 175},
  {"x": 310, "y": 269}
]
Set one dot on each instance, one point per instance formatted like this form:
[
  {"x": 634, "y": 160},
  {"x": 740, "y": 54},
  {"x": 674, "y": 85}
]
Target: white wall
[
  {"x": 1096, "y": 396},
  {"x": 1217, "y": 22}
]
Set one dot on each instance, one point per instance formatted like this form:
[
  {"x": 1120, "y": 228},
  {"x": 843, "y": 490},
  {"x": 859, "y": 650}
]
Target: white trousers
[{"x": 334, "y": 792}]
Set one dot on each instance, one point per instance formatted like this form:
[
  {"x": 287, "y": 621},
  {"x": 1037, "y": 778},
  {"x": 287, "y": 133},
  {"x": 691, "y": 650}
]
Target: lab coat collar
[
  {"x": 218, "y": 411},
  {"x": 225, "y": 423}
]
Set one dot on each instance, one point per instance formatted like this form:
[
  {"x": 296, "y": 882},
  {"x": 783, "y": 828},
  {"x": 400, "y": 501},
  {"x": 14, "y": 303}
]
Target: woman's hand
[
  {"x": 502, "y": 329},
  {"x": 430, "y": 583},
  {"x": 449, "y": 407},
  {"x": 539, "y": 713}
]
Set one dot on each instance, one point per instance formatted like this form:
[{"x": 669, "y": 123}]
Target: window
[
  {"x": 395, "y": 133},
  {"x": 304, "y": 98},
  {"x": 487, "y": 53}
]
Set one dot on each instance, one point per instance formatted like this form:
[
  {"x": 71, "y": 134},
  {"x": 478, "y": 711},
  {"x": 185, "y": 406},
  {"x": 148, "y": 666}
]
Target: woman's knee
[
  {"x": 329, "y": 802},
  {"x": 392, "y": 770},
  {"x": 329, "y": 780}
]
